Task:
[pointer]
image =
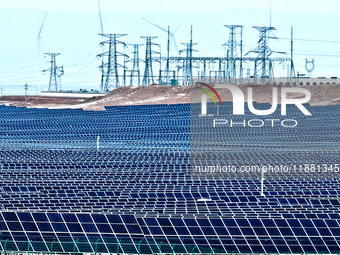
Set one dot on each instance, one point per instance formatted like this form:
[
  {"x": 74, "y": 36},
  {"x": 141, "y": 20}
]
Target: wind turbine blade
[
  {"x": 174, "y": 42},
  {"x": 37, "y": 44},
  {"x": 270, "y": 13},
  {"x": 42, "y": 25},
  {"x": 180, "y": 24},
  {"x": 163, "y": 29},
  {"x": 100, "y": 19}
]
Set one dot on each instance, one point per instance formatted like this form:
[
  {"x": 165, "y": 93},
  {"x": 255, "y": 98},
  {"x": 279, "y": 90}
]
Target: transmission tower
[
  {"x": 53, "y": 85},
  {"x": 60, "y": 72},
  {"x": 263, "y": 65},
  {"x": 109, "y": 68},
  {"x": 148, "y": 73},
  {"x": 309, "y": 66},
  {"x": 135, "y": 69},
  {"x": 26, "y": 89},
  {"x": 292, "y": 69},
  {"x": 232, "y": 52},
  {"x": 187, "y": 64},
  {"x": 167, "y": 65}
]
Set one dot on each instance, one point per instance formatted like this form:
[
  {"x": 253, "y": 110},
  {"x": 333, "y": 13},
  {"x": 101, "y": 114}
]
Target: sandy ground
[{"x": 160, "y": 94}]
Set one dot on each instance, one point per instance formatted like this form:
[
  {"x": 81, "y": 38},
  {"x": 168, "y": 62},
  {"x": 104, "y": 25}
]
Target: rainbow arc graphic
[{"x": 210, "y": 94}]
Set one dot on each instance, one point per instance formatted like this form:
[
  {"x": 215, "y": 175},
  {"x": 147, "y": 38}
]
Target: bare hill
[{"x": 160, "y": 94}]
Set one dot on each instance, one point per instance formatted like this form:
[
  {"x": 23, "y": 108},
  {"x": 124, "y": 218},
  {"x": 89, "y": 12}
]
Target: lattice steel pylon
[
  {"x": 135, "y": 68},
  {"x": 309, "y": 66},
  {"x": 263, "y": 65},
  {"x": 167, "y": 65},
  {"x": 292, "y": 78},
  {"x": 109, "y": 69},
  {"x": 232, "y": 53},
  {"x": 53, "y": 84},
  {"x": 187, "y": 64},
  {"x": 148, "y": 73},
  {"x": 60, "y": 72}
]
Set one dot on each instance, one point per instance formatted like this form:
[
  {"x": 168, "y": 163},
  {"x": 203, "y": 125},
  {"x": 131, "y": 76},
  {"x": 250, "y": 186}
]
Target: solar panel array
[{"x": 137, "y": 193}]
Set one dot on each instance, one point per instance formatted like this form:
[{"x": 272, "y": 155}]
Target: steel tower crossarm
[
  {"x": 232, "y": 52},
  {"x": 109, "y": 68},
  {"x": 263, "y": 63},
  {"x": 53, "y": 84},
  {"x": 136, "y": 60},
  {"x": 148, "y": 77}
]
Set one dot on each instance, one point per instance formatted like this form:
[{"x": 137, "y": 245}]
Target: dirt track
[{"x": 160, "y": 94}]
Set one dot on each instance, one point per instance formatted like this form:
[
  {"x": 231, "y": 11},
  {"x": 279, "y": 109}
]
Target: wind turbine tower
[{"x": 38, "y": 42}]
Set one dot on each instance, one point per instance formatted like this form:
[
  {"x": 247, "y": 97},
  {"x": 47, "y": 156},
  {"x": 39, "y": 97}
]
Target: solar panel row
[
  {"x": 206, "y": 233},
  {"x": 60, "y": 193}
]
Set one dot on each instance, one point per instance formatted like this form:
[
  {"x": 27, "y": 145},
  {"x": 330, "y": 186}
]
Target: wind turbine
[
  {"x": 100, "y": 19},
  {"x": 38, "y": 42},
  {"x": 172, "y": 34},
  {"x": 101, "y": 33},
  {"x": 270, "y": 13}
]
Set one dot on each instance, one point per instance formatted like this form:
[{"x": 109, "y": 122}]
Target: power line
[
  {"x": 309, "y": 40},
  {"x": 318, "y": 55},
  {"x": 21, "y": 68}
]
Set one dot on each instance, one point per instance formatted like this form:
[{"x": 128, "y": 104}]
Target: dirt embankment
[{"x": 160, "y": 94}]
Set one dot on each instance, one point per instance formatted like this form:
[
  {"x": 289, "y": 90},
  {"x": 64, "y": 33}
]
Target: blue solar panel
[{"x": 137, "y": 191}]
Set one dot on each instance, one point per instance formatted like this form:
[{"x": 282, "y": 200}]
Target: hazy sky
[
  {"x": 296, "y": 6},
  {"x": 72, "y": 26}
]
